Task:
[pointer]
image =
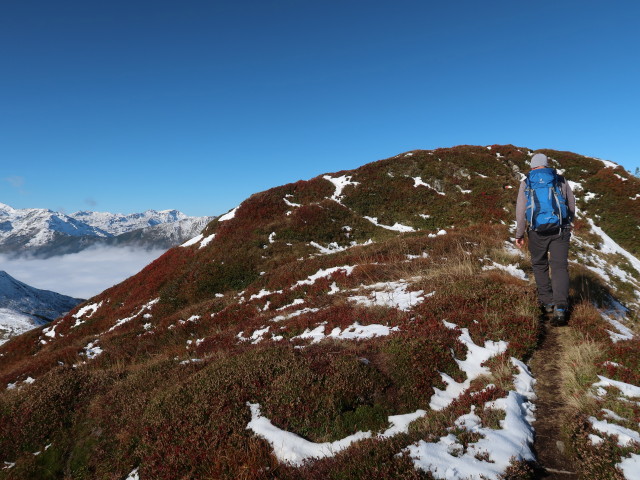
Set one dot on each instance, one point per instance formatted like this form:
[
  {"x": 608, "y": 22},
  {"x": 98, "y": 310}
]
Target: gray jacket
[{"x": 521, "y": 205}]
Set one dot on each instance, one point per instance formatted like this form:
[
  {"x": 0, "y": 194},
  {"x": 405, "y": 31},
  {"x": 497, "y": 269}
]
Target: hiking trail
[{"x": 545, "y": 366}]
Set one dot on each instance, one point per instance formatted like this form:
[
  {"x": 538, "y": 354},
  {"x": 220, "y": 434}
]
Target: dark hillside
[{"x": 333, "y": 304}]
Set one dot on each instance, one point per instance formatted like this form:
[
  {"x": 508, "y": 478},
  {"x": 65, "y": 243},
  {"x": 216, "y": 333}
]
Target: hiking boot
[
  {"x": 559, "y": 316},
  {"x": 547, "y": 308}
]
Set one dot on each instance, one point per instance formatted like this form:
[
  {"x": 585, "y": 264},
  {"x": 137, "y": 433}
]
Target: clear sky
[{"x": 123, "y": 106}]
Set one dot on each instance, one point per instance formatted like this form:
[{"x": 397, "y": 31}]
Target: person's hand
[{"x": 519, "y": 242}]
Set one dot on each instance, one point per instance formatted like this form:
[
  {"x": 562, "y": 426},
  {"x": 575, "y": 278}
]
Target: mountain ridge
[
  {"x": 327, "y": 309},
  {"x": 23, "y": 307},
  {"x": 44, "y": 232}
]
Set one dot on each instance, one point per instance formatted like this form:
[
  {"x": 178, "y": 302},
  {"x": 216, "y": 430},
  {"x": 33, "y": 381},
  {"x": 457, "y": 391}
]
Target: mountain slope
[
  {"x": 23, "y": 307},
  {"x": 381, "y": 315},
  {"x": 47, "y": 233}
]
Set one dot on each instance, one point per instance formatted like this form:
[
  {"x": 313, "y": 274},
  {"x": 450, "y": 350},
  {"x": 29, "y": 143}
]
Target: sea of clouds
[{"x": 83, "y": 274}]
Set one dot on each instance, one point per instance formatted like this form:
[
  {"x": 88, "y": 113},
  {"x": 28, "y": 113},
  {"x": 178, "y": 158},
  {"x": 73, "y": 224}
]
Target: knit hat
[{"x": 539, "y": 160}]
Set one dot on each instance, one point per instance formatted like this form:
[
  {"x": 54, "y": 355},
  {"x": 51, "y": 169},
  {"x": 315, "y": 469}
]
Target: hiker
[{"x": 545, "y": 209}]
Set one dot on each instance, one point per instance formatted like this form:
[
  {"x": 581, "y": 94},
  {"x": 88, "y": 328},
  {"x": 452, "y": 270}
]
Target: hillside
[
  {"x": 367, "y": 323},
  {"x": 23, "y": 307}
]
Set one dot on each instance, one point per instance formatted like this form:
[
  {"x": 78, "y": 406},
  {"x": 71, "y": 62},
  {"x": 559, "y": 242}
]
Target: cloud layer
[{"x": 82, "y": 274}]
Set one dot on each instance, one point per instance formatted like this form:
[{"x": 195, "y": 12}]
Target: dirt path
[{"x": 548, "y": 442}]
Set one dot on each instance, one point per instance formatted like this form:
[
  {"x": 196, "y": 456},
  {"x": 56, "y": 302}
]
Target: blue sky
[{"x": 124, "y": 106}]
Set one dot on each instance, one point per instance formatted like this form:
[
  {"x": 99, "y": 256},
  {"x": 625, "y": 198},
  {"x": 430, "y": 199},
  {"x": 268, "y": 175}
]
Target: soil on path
[{"x": 548, "y": 445}]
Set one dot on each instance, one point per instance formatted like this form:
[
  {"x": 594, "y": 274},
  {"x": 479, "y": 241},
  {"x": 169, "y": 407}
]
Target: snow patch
[
  {"x": 193, "y": 241},
  {"x": 398, "y": 227},
  {"x": 471, "y": 366},
  {"x": 626, "y": 436},
  {"x": 289, "y": 447},
  {"x": 352, "y": 332},
  {"x": 92, "y": 350},
  {"x": 128, "y": 319},
  {"x": 324, "y": 273},
  {"x": 340, "y": 183},
  {"x": 447, "y": 458},
  {"x": 207, "y": 240},
  {"x": 510, "y": 269},
  {"x": 229, "y": 215},
  {"x": 391, "y": 294},
  {"x": 418, "y": 182},
  {"x": 628, "y": 390}
]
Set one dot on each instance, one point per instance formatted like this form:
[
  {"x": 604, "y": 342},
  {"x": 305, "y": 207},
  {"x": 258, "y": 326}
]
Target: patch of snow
[
  {"x": 92, "y": 350},
  {"x": 448, "y": 460},
  {"x": 612, "y": 415},
  {"x": 437, "y": 234},
  {"x": 272, "y": 237},
  {"x": 255, "y": 337},
  {"x": 263, "y": 293},
  {"x": 352, "y": 332},
  {"x": 324, "y": 273},
  {"x": 595, "y": 439},
  {"x": 510, "y": 269},
  {"x": 610, "y": 246},
  {"x": 289, "y": 447},
  {"x": 627, "y": 389},
  {"x": 608, "y": 164},
  {"x": 398, "y": 227},
  {"x": 297, "y": 313},
  {"x": 400, "y": 423},
  {"x": 291, "y": 204},
  {"x": 622, "y": 331},
  {"x": 297, "y": 301},
  {"x": 630, "y": 467},
  {"x": 418, "y": 182},
  {"x": 575, "y": 185},
  {"x": 87, "y": 308},
  {"x": 207, "y": 240},
  {"x": 626, "y": 436},
  {"x": 333, "y": 247},
  {"x": 391, "y": 294},
  {"x": 471, "y": 366},
  {"x": 193, "y": 241},
  {"x": 140, "y": 312},
  {"x": 133, "y": 475},
  {"x": 229, "y": 215},
  {"x": 50, "y": 331},
  {"x": 462, "y": 190},
  {"x": 339, "y": 183}
]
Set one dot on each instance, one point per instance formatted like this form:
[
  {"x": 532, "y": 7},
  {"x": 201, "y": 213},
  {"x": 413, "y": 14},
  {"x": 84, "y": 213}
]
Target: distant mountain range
[
  {"x": 23, "y": 307},
  {"x": 46, "y": 233}
]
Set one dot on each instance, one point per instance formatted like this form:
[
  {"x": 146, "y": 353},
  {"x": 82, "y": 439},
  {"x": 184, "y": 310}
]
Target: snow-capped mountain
[
  {"x": 44, "y": 232},
  {"x": 23, "y": 307}
]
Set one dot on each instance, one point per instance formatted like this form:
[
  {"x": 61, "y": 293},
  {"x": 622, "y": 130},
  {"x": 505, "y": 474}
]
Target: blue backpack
[{"x": 547, "y": 209}]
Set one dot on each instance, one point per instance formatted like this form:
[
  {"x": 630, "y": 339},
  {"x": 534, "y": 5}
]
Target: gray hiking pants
[{"x": 551, "y": 251}]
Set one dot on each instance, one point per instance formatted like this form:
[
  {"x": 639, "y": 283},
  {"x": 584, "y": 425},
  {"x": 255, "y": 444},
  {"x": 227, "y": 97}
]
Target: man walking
[{"x": 545, "y": 209}]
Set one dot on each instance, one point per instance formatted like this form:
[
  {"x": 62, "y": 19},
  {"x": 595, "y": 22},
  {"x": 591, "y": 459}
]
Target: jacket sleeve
[
  {"x": 521, "y": 205},
  {"x": 571, "y": 200}
]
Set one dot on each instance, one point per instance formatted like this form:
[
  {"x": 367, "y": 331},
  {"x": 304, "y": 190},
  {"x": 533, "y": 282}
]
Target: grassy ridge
[{"x": 139, "y": 403}]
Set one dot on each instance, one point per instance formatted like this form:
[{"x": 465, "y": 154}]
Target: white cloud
[
  {"x": 82, "y": 274},
  {"x": 15, "y": 181}
]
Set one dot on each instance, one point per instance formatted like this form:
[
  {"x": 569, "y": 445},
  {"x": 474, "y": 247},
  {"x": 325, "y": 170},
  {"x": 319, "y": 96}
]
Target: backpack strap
[{"x": 531, "y": 203}]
